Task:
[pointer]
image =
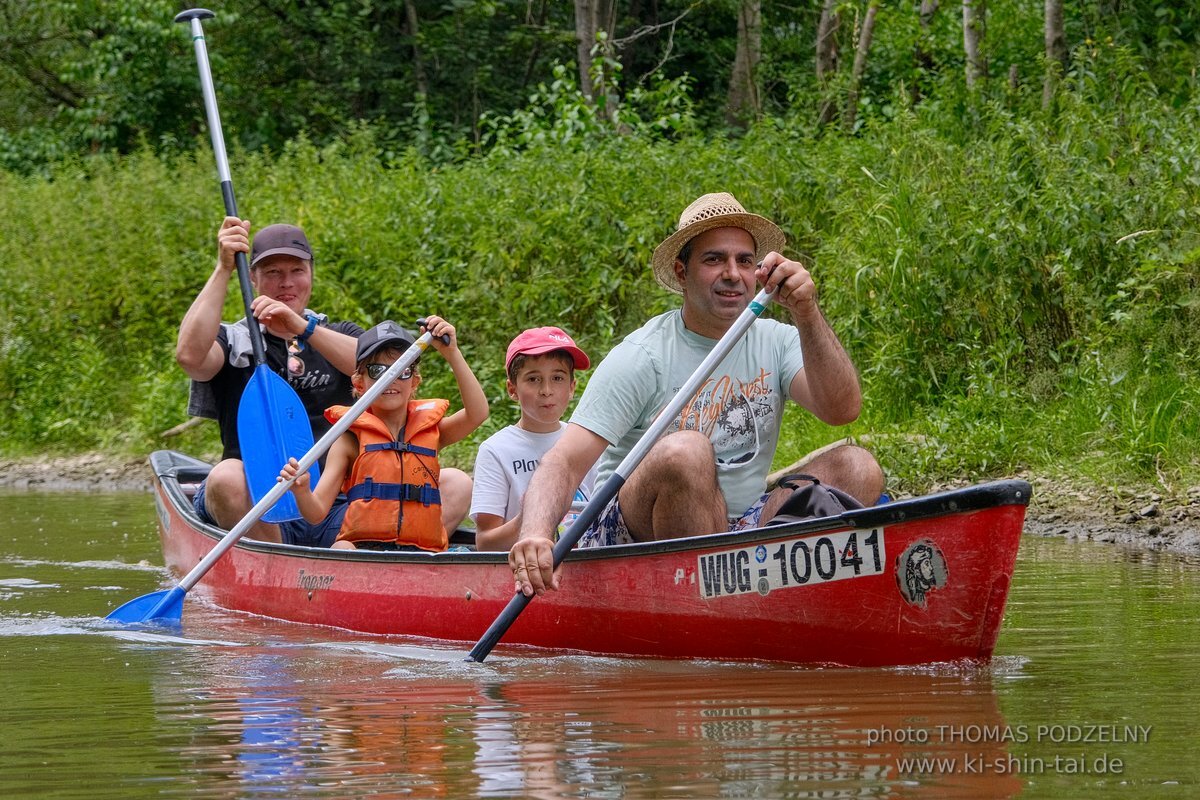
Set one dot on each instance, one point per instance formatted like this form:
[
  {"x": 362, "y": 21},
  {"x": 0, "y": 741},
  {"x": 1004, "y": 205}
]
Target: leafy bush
[{"x": 1016, "y": 288}]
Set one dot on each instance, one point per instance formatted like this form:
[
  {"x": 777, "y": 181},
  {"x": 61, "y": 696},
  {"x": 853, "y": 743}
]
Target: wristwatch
[{"x": 312, "y": 326}]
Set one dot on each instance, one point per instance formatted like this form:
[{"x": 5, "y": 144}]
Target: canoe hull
[{"x": 909, "y": 583}]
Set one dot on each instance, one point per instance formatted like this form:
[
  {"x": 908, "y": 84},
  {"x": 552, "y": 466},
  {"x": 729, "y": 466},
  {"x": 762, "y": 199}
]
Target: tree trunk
[
  {"x": 591, "y": 18},
  {"x": 585, "y": 38},
  {"x": 743, "y": 102},
  {"x": 928, "y": 9},
  {"x": 974, "y": 14},
  {"x": 1056, "y": 50},
  {"x": 535, "y": 52},
  {"x": 410, "y": 14},
  {"x": 921, "y": 56},
  {"x": 827, "y": 57},
  {"x": 860, "y": 63}
]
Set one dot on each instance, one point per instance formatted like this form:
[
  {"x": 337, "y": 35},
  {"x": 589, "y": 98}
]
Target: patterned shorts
[{"x": 610, "y": 528}]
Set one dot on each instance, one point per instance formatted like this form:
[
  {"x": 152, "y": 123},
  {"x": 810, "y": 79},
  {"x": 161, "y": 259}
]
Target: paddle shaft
[
  {"x": 614, "y": 483},
  {"x": 324, "y": 443},
  {"x": 193, "y": 17}
]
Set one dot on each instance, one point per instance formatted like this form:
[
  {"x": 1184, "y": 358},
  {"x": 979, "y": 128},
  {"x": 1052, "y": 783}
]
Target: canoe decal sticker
[
  {"x": 164, "y": 516},
  {"x": 920, "y": 569},
  {"x": 796, "y": 562},
  {"x": 313, "y": 582}
]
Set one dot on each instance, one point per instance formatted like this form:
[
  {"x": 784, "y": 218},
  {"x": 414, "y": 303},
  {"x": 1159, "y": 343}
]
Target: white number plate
[{"x": 797, "y": 562}]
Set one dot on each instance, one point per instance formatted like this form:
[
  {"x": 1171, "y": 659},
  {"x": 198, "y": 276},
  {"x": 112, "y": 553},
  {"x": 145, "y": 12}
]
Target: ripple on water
[{"x": 92, "y": 564}]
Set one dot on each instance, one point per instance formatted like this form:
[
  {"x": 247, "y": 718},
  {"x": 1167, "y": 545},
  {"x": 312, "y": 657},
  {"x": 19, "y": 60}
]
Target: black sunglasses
[{"x": 375, "y": 371}]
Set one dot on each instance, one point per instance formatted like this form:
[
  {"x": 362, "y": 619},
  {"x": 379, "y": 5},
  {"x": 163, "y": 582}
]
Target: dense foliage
[
  {"x": 1018, "y": 284},
  {"x": 87, "y": 76}
]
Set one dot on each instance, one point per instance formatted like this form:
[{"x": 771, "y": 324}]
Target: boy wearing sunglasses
[{"x": 387, "y": 462}]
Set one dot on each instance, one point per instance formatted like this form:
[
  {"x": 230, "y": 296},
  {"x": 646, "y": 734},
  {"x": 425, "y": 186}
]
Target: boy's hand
[
  {"x": 289, "y": 471},
  {"x": 445, "y": 338}
]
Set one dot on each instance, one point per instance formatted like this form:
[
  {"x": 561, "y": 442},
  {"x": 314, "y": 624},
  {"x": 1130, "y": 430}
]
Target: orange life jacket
[{"x": 393, "y": 486}]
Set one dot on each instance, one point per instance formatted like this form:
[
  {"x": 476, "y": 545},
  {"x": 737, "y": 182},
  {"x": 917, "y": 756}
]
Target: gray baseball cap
[
  {"x": 386, "y": 333},
  {"x": 280, "y": 239}
]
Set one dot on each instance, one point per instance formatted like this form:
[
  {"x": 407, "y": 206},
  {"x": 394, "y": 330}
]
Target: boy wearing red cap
[{"x": 540, "y": 364}]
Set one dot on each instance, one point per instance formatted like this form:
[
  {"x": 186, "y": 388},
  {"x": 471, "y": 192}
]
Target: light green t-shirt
[{"x": 740, "y": 406}]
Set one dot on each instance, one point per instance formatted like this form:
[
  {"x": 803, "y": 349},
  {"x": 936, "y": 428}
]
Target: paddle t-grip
[
  {"x": 194, "y": 13},
  {"x": 445, "y": 337}
]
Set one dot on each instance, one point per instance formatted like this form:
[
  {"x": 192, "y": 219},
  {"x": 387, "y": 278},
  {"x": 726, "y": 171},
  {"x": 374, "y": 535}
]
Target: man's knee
[
  {"x": 227, "y": 475},
  {"x": 686, "y": 454},
  {"x": 226, "y": 484},
  {"x": 227, "y": 500},
  {"x": 226, "y": 495},
  {"x": 850, "y": 468},
  {"x": 861, "y": 462},
  {"x": 675, "y": 491}
]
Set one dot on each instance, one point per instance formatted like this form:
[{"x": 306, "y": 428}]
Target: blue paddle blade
[
  {"x": 272, "y": 427},
  {"x": 163, "y": 608}
]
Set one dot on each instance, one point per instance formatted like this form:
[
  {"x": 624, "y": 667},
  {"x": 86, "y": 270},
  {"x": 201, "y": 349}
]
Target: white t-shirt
[
  {"x": 505, "y": 463},
  {"x": 740, "y": 406}
]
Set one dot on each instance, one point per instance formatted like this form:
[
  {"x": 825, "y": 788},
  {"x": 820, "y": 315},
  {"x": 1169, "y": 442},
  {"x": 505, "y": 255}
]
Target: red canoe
[{"x": 910, "y": 582}]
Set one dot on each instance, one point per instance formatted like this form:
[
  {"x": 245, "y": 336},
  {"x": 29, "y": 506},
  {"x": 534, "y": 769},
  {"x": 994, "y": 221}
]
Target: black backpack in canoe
[{"x": 811, "y": 500}]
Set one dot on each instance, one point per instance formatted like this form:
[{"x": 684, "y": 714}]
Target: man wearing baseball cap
[
  {"x": 540, "y": 365},
  {"x": 709, "y": 474},
  {"x": 313, "y": 354}
]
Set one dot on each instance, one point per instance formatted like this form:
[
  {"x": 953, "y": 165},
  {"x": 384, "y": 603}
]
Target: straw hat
[{"x": 719, "y": 210}]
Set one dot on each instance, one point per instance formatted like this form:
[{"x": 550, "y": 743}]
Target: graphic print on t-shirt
[{"x": 730, "y": 413}]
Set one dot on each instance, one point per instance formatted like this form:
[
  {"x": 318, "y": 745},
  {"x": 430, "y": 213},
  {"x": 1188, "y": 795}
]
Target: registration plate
[{"x": 763, "y": 568}]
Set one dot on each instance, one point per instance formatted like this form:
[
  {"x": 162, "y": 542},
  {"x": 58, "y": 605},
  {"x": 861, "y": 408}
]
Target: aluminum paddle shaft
[
  {"x": 272, "y": 422},
  {"x": 193, "y": 17},
  {"x": 613, "y": 485}
]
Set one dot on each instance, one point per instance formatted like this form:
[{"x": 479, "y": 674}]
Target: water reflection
[
  {"x": 243, "y": 707},
  {"x": 375, "y": 716}
]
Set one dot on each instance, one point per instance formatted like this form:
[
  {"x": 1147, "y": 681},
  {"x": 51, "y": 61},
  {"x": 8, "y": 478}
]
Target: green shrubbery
[{"x": 1018, "y": 289}]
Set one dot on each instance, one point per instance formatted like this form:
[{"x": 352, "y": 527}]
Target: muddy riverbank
[
  {"x": 1143, "y": 517},
  {"x": 85, "y": 472}
]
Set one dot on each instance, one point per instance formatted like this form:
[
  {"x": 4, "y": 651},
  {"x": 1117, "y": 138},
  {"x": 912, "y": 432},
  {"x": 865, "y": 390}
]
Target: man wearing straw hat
[{"x": 709, "y": 474}]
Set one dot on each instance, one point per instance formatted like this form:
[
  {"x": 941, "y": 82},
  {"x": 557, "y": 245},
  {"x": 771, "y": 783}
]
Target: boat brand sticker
[
  {"x": 313, "y": 582},
  {"x": 920, "y": 569},
  {"x": 797, "y": 562}
]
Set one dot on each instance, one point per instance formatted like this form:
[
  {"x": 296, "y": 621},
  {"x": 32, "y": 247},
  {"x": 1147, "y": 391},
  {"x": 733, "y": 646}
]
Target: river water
[{"x": 1093, "y": 692}]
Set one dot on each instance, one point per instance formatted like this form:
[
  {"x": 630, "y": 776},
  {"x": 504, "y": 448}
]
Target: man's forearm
[
  {"x": 546, "y": 499},
  {"x": 337, "y": 348},
  {"x": 832, "y": 379},
  {"x": 199, "y": 327}
]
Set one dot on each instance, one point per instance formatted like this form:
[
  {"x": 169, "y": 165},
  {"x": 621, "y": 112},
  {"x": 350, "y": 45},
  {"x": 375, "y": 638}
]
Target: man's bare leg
[
  {"x": 674, "y": 492},
  {"x": 227, "y": 498},
  {"x": 850, "y": 468}
]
